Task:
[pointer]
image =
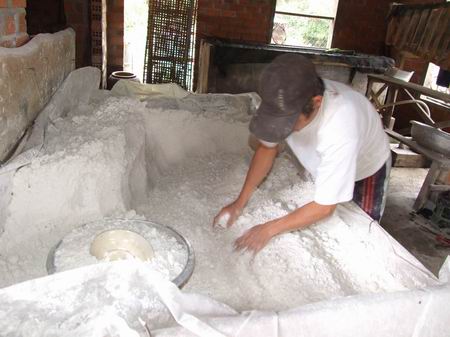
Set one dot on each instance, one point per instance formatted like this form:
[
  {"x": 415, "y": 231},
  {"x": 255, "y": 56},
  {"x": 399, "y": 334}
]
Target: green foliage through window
[{"x": 293, "y": 24}]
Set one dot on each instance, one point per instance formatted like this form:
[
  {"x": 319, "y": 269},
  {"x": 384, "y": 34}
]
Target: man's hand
[
  {"x": 228, "y": 215},
  {"x": 255, "y": 239}
]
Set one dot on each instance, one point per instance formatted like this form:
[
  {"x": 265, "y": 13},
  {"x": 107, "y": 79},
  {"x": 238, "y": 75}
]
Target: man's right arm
[{"x": 260, "y": 166}]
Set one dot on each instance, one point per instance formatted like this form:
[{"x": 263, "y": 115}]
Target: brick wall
[
  {"x": 236, "y": 20},
  {"x": 361, "y": 25},
  {"x": 13, "y": 25},
  {"x": 77, "y": 16}
]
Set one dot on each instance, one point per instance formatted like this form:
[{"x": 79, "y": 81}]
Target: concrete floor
[{"x": 404, "y": 186}]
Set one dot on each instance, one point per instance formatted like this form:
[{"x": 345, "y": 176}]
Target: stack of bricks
[
  {"x": 236, "y": 20},
  {"x": 13, "y": 25}
]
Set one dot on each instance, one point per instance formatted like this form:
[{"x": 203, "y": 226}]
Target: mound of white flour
[
  {"x": 328, "y": 260},
  {"x": 91, "y": 165},
  {"x": 179, "y": 167}
]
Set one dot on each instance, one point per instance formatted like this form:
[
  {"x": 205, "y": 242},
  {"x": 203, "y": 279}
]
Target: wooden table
[{"x": 439, "y": 164}]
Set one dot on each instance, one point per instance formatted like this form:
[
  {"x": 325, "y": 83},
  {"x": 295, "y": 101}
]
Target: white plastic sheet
[{"x": 125, "y": 299}]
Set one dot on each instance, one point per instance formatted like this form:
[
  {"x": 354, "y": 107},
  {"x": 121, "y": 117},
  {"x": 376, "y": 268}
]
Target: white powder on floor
[{"x": 169, "y": 258}]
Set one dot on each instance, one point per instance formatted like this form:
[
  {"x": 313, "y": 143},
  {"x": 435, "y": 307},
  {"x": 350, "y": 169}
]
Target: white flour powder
[
  {"x": 328, "y": 260},
  {"x": 169, "y": 255},
  {"x": 179, "y": 168},
  {"x": 91, "y": 165}
]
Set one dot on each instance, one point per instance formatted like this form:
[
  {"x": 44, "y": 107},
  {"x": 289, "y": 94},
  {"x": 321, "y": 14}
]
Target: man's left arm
[
  {"x": 334, "y": 184},
  {"x": 258, "y": 236}
]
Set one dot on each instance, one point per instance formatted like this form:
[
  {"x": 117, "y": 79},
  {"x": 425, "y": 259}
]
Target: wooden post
[
  {"x": 104, "y": 44},
  {"x": 430, "y": 179},
  {"x": 389, "y": 112},
  {"x": 203, "y": 67}
]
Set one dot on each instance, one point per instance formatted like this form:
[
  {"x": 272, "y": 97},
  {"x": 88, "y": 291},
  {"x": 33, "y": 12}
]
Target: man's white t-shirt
[{"x": 344, "y": 143}]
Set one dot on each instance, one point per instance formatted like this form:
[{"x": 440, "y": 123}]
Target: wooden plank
[
  {"x": 408, "y": 37},
  {"x": 439, "y": 188},
  {"x": 430, "y": 179},
  {"x": 389, "y": 112},
  {"x": 411, "y": 86},
  {"x": 422, "y": 6},
  {"x": 443, "y": 25},
  {"x": 420, "y": 30},
  {"x": 393, "y": 26},
  {"x": 442, "y": 47},
  {"x": 407, "y": 158},
  {"x": 203, "y": 67},
  {"x": 430, "y": 30},
  {"x": 375, "y": 99},
  {"x": 403, "y": 27},
  {"x": 369, "y": 88}
]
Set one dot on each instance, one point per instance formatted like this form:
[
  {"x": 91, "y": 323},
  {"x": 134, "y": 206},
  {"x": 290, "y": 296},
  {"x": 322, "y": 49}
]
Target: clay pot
[{"x": 120, "y": 75}]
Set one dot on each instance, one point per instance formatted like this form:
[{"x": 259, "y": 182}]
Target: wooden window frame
[{"x": 310, "y": 16}]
